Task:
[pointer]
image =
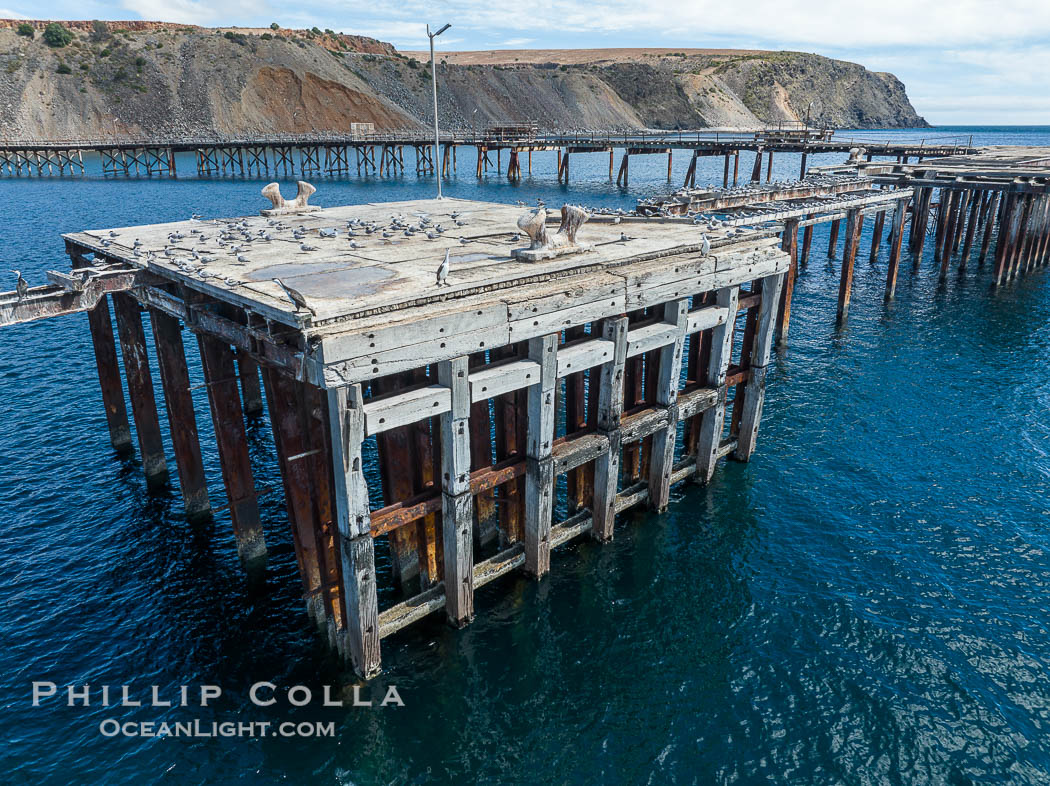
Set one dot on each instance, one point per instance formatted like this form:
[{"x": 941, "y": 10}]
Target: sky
[{"x": 964, "y": 62}]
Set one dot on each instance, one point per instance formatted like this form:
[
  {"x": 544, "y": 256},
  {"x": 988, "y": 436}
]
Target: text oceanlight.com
[{"x": 261, "y": 694}]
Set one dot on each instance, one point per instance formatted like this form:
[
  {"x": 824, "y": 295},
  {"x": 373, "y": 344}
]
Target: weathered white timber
[
  {"x": 284, "y": 207},
  {"x": 696, "y": 401},
  {"x": 539, "y": 466},
  {"x": 362, "y": 608},
  {"x": 610, "y": 408},
  {"x": 499, "y": 565},
  {"x": 378, "y": 310},
  {"x": 572, "y": 527},
  {"x": 457, "y": 503},
  {"x": 662, "y": 456},
  {"x": 706, "y": 317},
  {"x": 649, "y": 337},
  {"x": 755, "y": 389},
  {"x": 347, "y": 424},
  {"x": 585, "y": 355},
  {"x": 456, "y": 524},
  {"x": 571, "y": 453},
  {"x": 713, "y": 419},
  {"x": 639, "y": 425},
  {"x": 411, "y": 610},
  {"x": 455, "y": 428},
  {"x": 401, "y": 409},
  {"x": 494, "y": 380}
]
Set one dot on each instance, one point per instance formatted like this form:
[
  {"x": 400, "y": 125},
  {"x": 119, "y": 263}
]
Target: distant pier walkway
[{"x": 385, "y": 154}]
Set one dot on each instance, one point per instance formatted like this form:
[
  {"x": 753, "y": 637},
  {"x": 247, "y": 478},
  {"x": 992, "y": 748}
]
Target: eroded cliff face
[{"x": 166, "y": 80}]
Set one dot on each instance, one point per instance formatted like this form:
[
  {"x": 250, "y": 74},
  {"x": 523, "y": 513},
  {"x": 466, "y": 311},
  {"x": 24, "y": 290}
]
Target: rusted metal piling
[{"x": 456, "y": 392}]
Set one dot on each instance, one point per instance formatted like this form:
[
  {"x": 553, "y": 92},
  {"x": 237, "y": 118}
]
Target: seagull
[
  {"x": 294, "y": 296},
  {"x": 327, "y": 232},
  {"x": 442, "y": 271},
  {"x": 623, "y": 238},
  {"x": 307, "y": 247},
  {"x": 705, "y": 245},
  {"x": 463, "y": 241},
  {"x": 21, "y": 287}
]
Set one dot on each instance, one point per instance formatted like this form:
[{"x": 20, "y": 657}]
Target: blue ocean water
[{"x": 863, "y": 603}]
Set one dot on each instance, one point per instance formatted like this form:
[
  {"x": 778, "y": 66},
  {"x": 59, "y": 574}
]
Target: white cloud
[
  {"x": 197, "y": 12},
  {"x": 6, "y": 13}
]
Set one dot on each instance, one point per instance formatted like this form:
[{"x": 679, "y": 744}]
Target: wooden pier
[
  {"x": 615, "y": 366},
  {"x": 385, "y": 154}
]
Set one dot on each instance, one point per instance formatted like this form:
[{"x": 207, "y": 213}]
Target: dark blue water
[{"x": 865, "y": 602}]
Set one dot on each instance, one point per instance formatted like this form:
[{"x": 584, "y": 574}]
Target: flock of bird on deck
[{"x": 193, "y": 252}]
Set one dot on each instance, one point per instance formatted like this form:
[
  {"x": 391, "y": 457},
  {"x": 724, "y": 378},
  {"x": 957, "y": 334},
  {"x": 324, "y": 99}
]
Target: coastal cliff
[{"x": 148, "y": 78}]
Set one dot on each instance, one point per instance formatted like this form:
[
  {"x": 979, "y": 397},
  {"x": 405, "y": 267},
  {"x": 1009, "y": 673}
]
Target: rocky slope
[{"x": 138, "y": 78}]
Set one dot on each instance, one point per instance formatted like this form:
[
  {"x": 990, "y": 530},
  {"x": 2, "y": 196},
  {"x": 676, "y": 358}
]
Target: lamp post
[{"x": 434, "y": 85}]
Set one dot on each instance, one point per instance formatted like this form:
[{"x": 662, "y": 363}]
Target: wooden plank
[
  {"x": 402, "y": 409},
  {"x": 140, "y": 384},
  {"x": 650, "y": 337},
  {"x": 705, "y": 318},
  {"x": 585, "y": 355},
  {"x": 712, "y": 420},
  {"x": 496, "y": 379},
  {"x": 220, "y": 377},
  {"x": 175, "y": 381},
  {"x": 109, "y": 375}
]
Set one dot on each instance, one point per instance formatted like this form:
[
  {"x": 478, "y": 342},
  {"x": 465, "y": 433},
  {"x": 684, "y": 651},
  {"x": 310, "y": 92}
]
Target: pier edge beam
[
  {"x": 101, "y": 326},
  {"x": 539, "y": 463},
  {"x": 140, "y": 384},
  {"x": 610, "y": 408},
  {"x": 712, "y": 420},
  {"x": 175, "y": 382},
  {"x": 755, "y": 389},
  {"x": 661, "y": 462},
  {"x": 457, "y": 503},
  {"x": 232, "y": 440},
  {"x": 353, "y": 524}
]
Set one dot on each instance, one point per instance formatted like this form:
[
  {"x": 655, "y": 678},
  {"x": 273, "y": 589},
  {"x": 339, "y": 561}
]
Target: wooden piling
[
  {"x": 539, "y": 467},
  {"x": 668, "y": 372},
  {"x": 991, "y": 214},
  {"x": 896, "y": 238},
  {"x": 175, "y": 381},
  {"x": 140, "y": 384},
  {"x": 755, "y": 388},
  {"x": 251, "y": 391},
  {"x": 101, "y": 328},
  {"x": 220, "y": 377},
  {"x": 807, "y": 239},
  {"x": 712, "y": 421},
  {"x": 876, "y": 236},
  {"x": 353, "y": 519},
  {"x": 610, "y": 409},
  {"x": 833, "y": 240},
  {"x": 789, "y": 243},
  {"x": 457, "y": 502},
  {"x": 854, "y": 223}
]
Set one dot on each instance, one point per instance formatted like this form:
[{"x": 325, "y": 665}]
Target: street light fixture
[{"x": 434, "y": 85}]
